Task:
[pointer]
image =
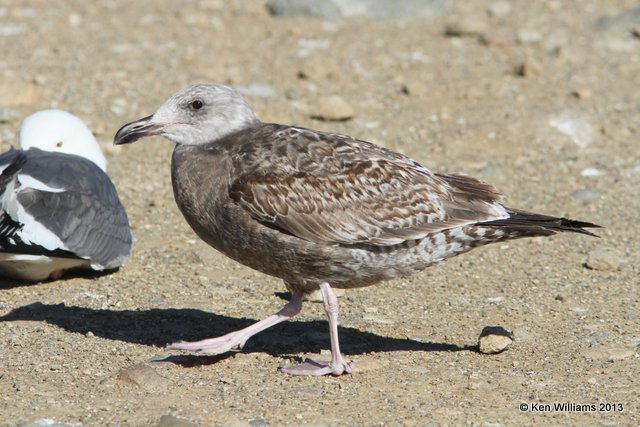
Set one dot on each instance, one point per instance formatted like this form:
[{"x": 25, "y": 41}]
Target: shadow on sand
[{"x": 158, "y": 327}]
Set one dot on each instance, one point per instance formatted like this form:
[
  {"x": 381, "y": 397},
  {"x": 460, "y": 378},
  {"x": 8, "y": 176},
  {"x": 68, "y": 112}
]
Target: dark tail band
[{"x": 537, "y": 224}]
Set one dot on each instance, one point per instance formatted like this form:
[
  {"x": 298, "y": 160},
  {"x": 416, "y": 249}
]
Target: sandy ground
[{"x": 536, "y": 98}]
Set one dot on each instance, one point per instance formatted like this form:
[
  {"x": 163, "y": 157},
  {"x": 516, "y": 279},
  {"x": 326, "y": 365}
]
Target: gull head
[
  {"x": 195, "y": 115},
  {"x": 60, "y": 131}
]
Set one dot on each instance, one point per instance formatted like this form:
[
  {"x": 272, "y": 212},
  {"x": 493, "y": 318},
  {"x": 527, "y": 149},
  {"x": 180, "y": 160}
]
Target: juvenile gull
[
  {"x": 58, "y": 208},
  {"x": 315, "y": 209}
]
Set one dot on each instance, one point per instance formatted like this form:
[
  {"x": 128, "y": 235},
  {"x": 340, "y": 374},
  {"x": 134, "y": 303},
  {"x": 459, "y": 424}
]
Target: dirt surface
[{"x": 539, "y": 98}]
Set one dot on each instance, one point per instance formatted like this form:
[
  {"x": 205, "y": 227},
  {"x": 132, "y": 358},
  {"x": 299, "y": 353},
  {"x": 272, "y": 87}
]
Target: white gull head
[
  {"x": 60, "y": 131},
  {"x": 195, "y": 115}
]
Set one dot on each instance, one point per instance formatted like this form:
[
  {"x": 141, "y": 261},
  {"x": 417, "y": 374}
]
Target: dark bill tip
[{"x": 131, "y": 132}]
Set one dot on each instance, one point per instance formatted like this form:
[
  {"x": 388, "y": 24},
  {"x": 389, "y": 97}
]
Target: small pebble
[
  {"x": 611, "y": 353},
  {"x": 466, "y": 27},
  {"x": 499, "y": 8},
  {"x": 119, "y": 107},
  {"x": 75, "y": 19},
  {"x": 604, "y": 259},
  {"x": 263, "y": 90},
  {"x": 47, "y": 422},
  {"x": 575, "y": 126},
  {"x": 590, "y": 172},
  {"x": 368, "y": 364},
  {"x": 258, "y": 422},
  {"x": 585, "y": 195},
  {"x": 8, "y": 114},
  {"x": 494, "y": 339},
  {"x": 527, "y": 36},
  {"x": 143, "y": 376},
  {"x": 527, "y": 68},
  {"x": 18, "y": 95},
  {"x": 173, "y": 421},
  {"x": 333, "y": 108}
]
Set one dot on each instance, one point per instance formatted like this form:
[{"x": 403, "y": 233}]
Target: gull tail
[{"x": 524, "y": 224}]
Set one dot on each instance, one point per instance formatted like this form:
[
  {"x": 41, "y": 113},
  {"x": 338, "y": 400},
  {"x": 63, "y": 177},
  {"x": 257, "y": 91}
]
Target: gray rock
[
  {"x": 494, "y": 339},
  {"x": 172, "y": 421},
  {"x": 609, "y": 352},
  {"x": 528, "y": 36},
  {"x": 333, "y": 108},
  {"x": 48, "y": 422},
  {"x": 381, "y": 9},
  {"x": 144, "y": 376},
  {"x": 575, "y": 125},
  {"x": 8, "y": 114},
  {"x": 619, "y": 31},
  {"x": 499, "y": 8},
  {"x": 262, "y": 90},
  {"x": 258, "y": 422},
  {"x": 585, "y": 195},
  {"x": 604, "y": 259},
  {"x": 19, "y": 94},
  {"x": 469, "y": 26},
  {"x": 622, "y": 22}
]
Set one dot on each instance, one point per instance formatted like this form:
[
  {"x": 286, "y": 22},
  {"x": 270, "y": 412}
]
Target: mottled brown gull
[{"x": 316, "y": 209}]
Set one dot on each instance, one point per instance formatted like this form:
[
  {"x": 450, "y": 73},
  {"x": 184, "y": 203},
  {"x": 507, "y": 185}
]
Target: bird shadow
[
  {"x": 74, "y": 273},
  {"x": 157, "y": 327}
]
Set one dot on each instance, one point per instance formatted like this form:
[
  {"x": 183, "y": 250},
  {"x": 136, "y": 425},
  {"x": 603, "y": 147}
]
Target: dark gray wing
[
  {"x": 334, "y": 189},
  {"x": 65, "y": 202}
]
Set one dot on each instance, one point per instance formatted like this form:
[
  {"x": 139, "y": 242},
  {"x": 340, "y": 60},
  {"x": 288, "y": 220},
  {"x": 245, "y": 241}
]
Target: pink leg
[
  {"x": 337, "y": 366},
  {"x": 236, "y": 340}
]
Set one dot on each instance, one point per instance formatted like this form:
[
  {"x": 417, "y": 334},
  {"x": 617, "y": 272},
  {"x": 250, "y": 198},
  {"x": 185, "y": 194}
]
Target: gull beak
[{"x": 133, "y": 131}]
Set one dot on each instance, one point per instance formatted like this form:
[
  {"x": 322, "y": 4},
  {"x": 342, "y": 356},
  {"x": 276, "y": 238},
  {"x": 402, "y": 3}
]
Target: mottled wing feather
[{"x": 333, "y": 189}]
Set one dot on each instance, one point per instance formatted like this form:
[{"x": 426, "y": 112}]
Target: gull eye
[
  {"x": 196, "y": 105},
  {"x": 59, "y": 144}
]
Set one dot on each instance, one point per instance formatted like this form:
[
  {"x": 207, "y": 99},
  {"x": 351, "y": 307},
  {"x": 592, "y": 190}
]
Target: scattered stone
[
  {"x": 494, "y": 339},
  {"x": 380, "y": 9},
  {"x": 262, "y": 90},
  {"x": 333, "y": 108},
  {"x": 75, "y": 19},
  {"x": 144, "y": 376},
  {"x": 119, "y": 107},
  {"x": 316, "y": 296},
  {"x": 527, "y": 68},
  {"x": 585, "y": 195},
  {"x": 8, "y": 114},
  {"x": 574, "y": 126},
  {"x": 620, "y": 23},
  {"x": 499, "y": 8},
  {"x": 528, "y": 36},
  {"x": 611, "y": 353},
  {"x": 48, "y": 422},
  {"x": 582, "y": 93},
  {"x": 590, "y": 172},
  {"x": 319, "y": 68},
  {"x": 18, "y": 95},
  {"x": 308, "y": 391},
  {"x": 368, "y": 364},
  {"x": 466, "y": 27},
  {"x": 414, "y": 88},
  {"x": 604, "y": 259},
  {"x": 474, "y": 382},
  {"x": 173, "y": 421},
  {"x": 8, "y": 30},
  {"x": 258, "y": 422}
]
